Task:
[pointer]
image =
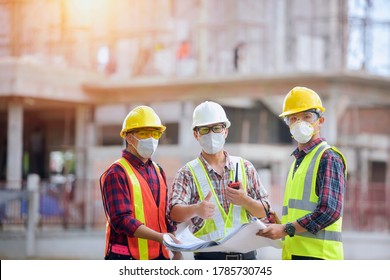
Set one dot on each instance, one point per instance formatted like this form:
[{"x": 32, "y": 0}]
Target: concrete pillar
[
  {"x": 279, "y": 36},
  {"x": 335, "y": 44},
  {"x": 203, "y": 38},
  {"x": 330, "y": 127},
  {"x": 364, "y": 183},
  {"x": 33, "y": 213},
  {"x": 81, "y": 119},
  {"x": 186, "y": 138},
  {"x": 90, "y": 179},
  {"x": 14, "y": 145},
  {"x": 80, "y": 141}
]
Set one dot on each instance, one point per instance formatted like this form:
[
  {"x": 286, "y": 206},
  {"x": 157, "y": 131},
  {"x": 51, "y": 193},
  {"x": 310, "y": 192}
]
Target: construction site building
[{"x": 71, "y": 70}]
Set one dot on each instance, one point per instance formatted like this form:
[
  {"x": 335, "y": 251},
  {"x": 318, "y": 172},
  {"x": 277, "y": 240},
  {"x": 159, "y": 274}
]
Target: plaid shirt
[
  {"x": 330, "y": 188},
  {"x": 184, "y": 190},
  {"x": 117, "y": 195}
]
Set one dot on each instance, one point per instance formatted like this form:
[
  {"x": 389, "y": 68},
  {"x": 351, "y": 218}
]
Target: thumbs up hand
[{"x": 206, "y": 209}]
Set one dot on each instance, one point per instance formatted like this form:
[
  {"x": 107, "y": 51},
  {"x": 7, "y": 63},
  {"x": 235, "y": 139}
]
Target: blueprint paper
[{"x": 242, "y": 240}]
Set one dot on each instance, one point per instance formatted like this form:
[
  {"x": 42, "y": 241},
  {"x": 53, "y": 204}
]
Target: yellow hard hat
[
  {"x": 141, "y": 116},
  {"x": 301, "y": 99}
]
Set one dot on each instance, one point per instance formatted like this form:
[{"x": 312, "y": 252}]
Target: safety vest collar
[
  {"x": 222, "y": 222},
  {"x": 310, "y": 176}
]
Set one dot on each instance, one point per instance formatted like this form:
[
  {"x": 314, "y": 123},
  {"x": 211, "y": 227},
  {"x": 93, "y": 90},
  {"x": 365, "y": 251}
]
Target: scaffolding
[{"x": 143, "y": 38}]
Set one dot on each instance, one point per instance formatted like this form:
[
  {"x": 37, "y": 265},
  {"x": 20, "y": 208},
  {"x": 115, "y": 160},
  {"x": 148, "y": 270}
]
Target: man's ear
[
  {"x": 196, "y": 135},
  {"x": 128, "y": 139},
  {"x": 321, "y": 120}
]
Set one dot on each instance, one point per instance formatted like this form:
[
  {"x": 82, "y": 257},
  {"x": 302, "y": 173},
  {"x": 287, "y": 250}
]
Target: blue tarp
[{"x": 48, "y": 206}]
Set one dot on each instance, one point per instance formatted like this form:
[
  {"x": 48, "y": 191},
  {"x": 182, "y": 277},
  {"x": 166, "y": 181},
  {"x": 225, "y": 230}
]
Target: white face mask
[
  {"x": 212, "y": 143},
  {"x": 302, "y": 131},
  {"x": 146, "y": 147}
]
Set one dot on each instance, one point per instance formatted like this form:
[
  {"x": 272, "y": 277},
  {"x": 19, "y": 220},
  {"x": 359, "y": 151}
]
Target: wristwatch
[{"x": 290, "y": 229}]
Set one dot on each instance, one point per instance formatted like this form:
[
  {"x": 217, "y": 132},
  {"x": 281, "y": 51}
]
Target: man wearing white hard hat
[{"x": 207, "y": 193}]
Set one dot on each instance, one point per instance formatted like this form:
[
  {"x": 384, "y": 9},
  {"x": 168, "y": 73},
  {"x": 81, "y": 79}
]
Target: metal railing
[
  {"x": 66, "y": 206},
  {"x": 58, "y": 205}
]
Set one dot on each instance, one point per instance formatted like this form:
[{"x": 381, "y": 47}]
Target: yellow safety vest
[
  {"x": 300, "y": 199},
  {"x": 222, "y": 223}
]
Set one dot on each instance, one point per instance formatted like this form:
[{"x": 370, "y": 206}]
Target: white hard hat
[{"x": 207, "y": 113}]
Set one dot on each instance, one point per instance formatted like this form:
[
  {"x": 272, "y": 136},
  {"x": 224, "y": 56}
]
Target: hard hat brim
[
  {"x": 298, "y": 110},
  {"x": 227, "y": 123},
  {"x": 161, "y": 128}
]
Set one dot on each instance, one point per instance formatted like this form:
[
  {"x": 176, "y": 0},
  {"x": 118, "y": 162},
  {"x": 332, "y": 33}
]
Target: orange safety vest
[{"x": 145, "y": 210}]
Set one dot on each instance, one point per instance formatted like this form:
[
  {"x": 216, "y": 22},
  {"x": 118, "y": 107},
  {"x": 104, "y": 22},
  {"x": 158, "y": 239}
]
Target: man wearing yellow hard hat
[
  {"x": 134, "y": 193},
  {"x": 314, "y": 193}
]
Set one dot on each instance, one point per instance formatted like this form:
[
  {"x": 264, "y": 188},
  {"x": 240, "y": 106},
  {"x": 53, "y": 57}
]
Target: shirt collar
[
  {"x": 297, "y": 153},
  {"x": 133, "y": 160},
  {"x": 228, "y": 162}
]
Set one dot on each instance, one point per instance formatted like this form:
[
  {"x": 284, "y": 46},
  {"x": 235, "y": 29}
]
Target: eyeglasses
[
  {"x": 218, "y": 128},
  {"x": 307, "y": 116},
  {"x": 145, "y": 134}
]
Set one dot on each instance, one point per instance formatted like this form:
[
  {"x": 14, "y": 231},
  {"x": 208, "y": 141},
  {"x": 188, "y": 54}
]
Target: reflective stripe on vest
[
  {"x": 222, "y": 223},
  {"x": 140, "y": 248},
  {"x": 300, "y": 199},
  {"x": 138, "y": 206}
]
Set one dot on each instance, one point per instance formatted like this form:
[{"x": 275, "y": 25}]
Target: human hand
[
  {"x": 272, "y": 218},
  {"x": 206, "y": 209},
  {"x": 177, "y": 241},
  {"x": 272, "y": 231},
  {"x": 177, "y": 255},
  {"x": 236, "y": 196}
]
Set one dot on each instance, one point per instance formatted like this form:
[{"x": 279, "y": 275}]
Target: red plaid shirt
[{"x": 118, "y": 198}]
